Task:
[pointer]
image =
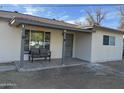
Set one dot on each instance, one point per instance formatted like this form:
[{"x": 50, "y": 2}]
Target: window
[
  {"x": 111, "y": 40},
  {"x": 108, "y": 40},
  {"x": 36, "y": 39},
  {"x": 26, "y": 42},
  {"x": 47, "y": 40},
  {"x": 105, "y": 40}
]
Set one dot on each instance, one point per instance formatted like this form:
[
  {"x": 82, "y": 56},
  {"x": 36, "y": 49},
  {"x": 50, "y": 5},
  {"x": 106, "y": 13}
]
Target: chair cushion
[
  {"x": 44, "y": 52},
  {"x": 35, "y": 51}
]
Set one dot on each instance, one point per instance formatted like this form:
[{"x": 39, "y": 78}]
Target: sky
[{"x": 67, "y": 13}]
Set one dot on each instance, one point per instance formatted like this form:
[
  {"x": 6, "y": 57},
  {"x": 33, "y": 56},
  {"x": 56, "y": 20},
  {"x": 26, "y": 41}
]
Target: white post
[
  {"x": 63, "y": 48},
  {"x": 22, "y": 46}
]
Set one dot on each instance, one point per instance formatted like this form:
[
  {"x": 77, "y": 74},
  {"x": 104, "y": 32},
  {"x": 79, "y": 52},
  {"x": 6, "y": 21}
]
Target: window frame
[
  {"x": 109, "y": 42},
  {"x": 28, "y": 40},
  {"x": 37, "y": 31}
]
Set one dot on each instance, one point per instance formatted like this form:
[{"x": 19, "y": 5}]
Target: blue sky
[{"x": 68, "y": 13}]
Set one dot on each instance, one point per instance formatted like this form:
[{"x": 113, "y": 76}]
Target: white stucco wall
[
  {"x": 83, "y": 46},
  {"x": 103, "y": 53},
  {"x": 9, "y": 43}
]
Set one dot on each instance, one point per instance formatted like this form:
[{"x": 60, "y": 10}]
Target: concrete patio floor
[{"x": 54, "y": 63}]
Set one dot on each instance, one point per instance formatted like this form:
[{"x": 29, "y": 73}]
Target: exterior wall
[
  {"x": 86, "y": 46},
  {"x": 56, "y": 40},
  {"x": 102, "y": 53},
  {"x": 10, "y": 42},
  {"x": 83, "y": 46}
]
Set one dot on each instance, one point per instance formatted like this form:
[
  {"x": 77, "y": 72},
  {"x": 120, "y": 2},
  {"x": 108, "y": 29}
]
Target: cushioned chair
[{"x": 39, "y": 53}]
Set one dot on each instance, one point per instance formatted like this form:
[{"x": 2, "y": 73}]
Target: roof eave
[
  {"x": 17, "y": 22},
  {"x": 110, "y": 29}
]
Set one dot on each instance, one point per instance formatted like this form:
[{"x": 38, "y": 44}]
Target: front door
[{"x": 69, "y": 45}]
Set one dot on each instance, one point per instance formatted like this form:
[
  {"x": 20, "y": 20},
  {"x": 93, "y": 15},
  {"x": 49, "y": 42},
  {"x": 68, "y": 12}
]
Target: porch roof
[
  {"x": 56, "y": 25},
  {"x": 104, "y": 28}
]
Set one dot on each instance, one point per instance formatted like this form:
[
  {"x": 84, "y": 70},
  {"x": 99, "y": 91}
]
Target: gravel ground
[
  {"x": 118, "y": 65},
  {"x": 87, "y": 76}
]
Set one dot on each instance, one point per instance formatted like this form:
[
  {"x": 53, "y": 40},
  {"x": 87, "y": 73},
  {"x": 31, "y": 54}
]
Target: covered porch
[{"x": 57, "y": 45}]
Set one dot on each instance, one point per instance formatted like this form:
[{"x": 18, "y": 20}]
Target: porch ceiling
[{"x": 18, "y": 21}]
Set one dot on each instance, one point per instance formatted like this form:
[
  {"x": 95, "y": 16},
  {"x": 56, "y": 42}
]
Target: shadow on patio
[{"x": 54, "y": 63}]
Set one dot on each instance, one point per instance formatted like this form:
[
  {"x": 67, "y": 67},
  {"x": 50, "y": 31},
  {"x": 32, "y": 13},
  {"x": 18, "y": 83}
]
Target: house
[{"x": 19, "y": 32}]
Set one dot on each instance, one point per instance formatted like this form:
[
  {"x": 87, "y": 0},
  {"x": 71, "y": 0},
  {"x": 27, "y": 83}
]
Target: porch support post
[
  {"x": 63, "y": 46},
  {"x": 22, "y": 46}
]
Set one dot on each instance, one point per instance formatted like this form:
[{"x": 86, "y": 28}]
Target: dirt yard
[{"x": 86, "y": 76}]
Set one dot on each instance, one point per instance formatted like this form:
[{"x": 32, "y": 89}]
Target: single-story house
[{"x": 19, "y": 32}]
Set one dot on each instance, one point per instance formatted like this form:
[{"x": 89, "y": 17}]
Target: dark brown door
[{"x": 69, "y": 45}]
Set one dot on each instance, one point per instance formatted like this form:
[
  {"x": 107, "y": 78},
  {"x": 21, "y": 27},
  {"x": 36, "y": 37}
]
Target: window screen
[{"x": 111, "y": 40}]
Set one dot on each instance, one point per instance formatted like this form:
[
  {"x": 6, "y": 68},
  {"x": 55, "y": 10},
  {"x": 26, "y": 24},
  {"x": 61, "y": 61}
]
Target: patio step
[
  {"x": 7, "y": 67},
  {"x": 49, "y": 67}
]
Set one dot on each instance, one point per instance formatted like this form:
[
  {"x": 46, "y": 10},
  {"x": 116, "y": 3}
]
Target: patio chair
[
  {"x": 45, "y": 53},
  {"x": 39, "y": 53}
]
